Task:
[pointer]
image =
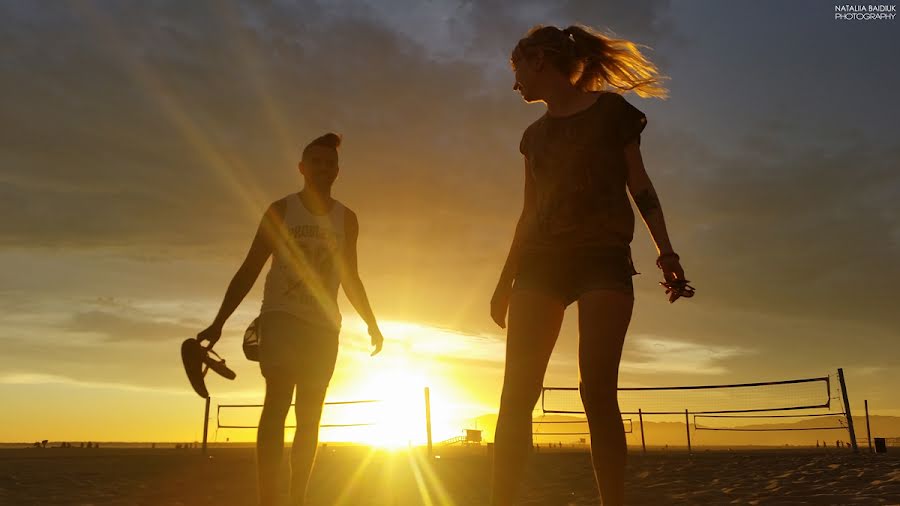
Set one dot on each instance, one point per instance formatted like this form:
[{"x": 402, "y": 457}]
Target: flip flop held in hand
[
  {"x": 675, "y": 284},
  {"x": 197, "y": 362}
]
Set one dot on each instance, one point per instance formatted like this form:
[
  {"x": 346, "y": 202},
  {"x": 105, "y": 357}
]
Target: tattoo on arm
[{"x": 647, "y": 202}]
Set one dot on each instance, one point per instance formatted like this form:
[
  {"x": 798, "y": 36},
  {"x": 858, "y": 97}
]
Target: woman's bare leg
[
  {"x": 603, "y": 319},
  {"x": 534, "y": 322}
]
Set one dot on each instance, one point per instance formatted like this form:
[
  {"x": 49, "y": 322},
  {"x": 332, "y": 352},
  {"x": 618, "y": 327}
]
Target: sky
[{"x": 141, "y": 142}]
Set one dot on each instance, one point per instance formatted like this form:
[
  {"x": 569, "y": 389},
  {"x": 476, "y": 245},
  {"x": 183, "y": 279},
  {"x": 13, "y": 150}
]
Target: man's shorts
[
  {"x": 569, "y": 274},
  {"x": 292, "y": 348}
]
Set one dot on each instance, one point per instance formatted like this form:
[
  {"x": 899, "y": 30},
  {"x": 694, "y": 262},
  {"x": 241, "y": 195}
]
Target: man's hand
[
  {"x": 500, "y": 304},
  {"x": 377, "y": 339},
  {"x": 211, "y": 334}
]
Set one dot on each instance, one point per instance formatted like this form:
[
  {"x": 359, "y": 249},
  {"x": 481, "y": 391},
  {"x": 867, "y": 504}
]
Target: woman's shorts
[
  {"x": 568, "y": 274},
  {"x": 292, "y": 348}
]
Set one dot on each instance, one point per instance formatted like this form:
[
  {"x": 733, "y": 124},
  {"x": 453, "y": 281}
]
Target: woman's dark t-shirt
[{"x": 578, "y": 166}]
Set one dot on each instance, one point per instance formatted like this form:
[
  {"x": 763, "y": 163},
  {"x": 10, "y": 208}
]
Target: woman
[{"x": 572, "y": 241}]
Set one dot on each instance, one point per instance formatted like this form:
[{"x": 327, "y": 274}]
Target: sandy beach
[{"x": 358, "y": 476}]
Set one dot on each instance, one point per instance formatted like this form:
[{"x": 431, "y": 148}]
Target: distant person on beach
[
  {"x": 312, "y": 237},
  {"x": 572, "y": 240}
]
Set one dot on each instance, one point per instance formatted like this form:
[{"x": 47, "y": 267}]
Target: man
[{"x": 312, "y": 238}]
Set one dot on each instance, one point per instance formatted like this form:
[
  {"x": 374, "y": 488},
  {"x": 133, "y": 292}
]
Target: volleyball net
[
  {"x": 363, "y": 421},
  {"x": 544, "y": 427},
  {"x": 799, "y": 394},
  {"x": 806, "y": 404},
  {"x": 241, "y": 420},
  {"x": 391, "y": 422}
]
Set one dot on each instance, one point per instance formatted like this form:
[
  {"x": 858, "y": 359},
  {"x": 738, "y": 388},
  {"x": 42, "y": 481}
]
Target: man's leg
[
  {"x": 270, "y": 436},
  {"x": 308, "y": 409},
  {"x": 534, "y": 322},
  {"x": 603, "y": 319}
]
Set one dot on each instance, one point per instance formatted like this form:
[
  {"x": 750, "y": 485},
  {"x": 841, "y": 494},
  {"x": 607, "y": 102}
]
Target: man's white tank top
[{"x": 305, "y": 273}]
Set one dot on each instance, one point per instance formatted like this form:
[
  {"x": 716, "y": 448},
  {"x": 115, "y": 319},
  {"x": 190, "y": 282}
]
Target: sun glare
[
  {"x": 396, "y": 382},
  {"x": 396, "y": 418}
]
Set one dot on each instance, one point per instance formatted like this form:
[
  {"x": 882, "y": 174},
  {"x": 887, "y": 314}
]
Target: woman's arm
[
  {"x": 645, "y": 198},
  {"x": 647, "y": 202},
  {"x": 500, "y": 300}
]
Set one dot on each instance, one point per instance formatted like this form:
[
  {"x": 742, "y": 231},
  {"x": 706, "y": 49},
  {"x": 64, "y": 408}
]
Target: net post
[
  {"x": 205, "y": 425},
  {"x": 868, "y": 427},
  {"x": 428, "y": 419},
  {"x": 641, "y": 421},
  {"x": 687, "y": 427},
  {"x": 847, "y": 410}
]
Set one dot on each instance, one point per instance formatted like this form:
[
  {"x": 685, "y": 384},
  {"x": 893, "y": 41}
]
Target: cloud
[
  {"x": 108, "y": 341},
  {"x": 159, "y": 131},
  {"x": 135, "y": 132},
  {"x": 425, "y": 343},
  {"x": 116, "y": 327},
  {"x": 796, "y": 229},
  {"x": 869, "y": 370},
  {"x": 650, "y": 354},
  {"x": 107, "y": 319},
  {"x": 51, "y": 379}
]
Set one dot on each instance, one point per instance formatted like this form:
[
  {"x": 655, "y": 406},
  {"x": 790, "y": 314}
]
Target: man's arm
[
  {"x": 247, "y": 273},
  {"x": 353, "y": 285}
]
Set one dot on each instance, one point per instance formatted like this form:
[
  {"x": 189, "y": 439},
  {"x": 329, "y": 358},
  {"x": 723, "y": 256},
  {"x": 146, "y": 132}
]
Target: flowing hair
[{"x": 593, "y": 61}]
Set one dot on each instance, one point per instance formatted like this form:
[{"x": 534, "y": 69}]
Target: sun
[
  {"x": 393, "y": 417},
  {"x": 393, "y": 385},
  {"x": 402, "y": 415}
]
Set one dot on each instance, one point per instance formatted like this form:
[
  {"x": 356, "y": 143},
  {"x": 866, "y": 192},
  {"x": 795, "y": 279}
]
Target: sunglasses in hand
[{"x": 677, "y": 288}]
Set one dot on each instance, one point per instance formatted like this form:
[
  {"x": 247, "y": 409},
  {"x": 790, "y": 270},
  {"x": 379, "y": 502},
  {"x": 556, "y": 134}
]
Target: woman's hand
[
  {"x": 675, "y": 283},
  {"x": 500, "y": 304},
  {"x": 671, "y": 268}
]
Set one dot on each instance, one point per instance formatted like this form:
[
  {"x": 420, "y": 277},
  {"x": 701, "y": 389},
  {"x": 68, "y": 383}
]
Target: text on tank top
[{"x": 305, "y": 273}]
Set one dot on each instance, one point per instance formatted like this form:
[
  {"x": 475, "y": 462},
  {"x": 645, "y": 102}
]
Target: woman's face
[{"x": 527, "y": 76}]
